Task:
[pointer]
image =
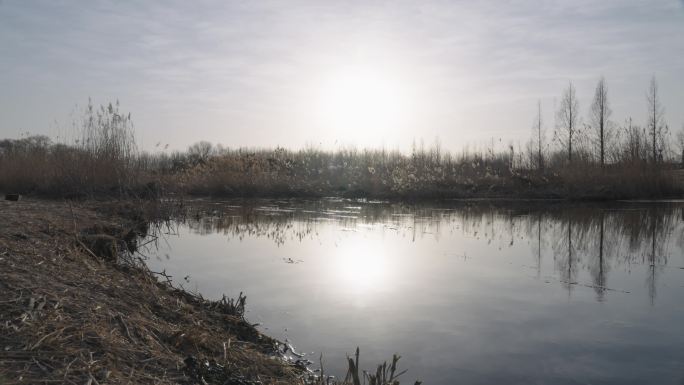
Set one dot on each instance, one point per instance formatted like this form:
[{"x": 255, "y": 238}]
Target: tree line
[{"x": 600, "y": 140}]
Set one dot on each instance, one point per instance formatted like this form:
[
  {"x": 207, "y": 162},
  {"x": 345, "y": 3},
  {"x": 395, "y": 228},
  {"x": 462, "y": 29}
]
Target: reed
[
  {"x": 422, "y": 174},
  {"x": 385, "y": 374},
  {"x": 104, "y": 161}
]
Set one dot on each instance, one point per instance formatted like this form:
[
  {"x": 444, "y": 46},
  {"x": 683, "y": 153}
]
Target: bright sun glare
[
  {"x": 361, "y": 103},
  {"x": 362, "y": 267}
]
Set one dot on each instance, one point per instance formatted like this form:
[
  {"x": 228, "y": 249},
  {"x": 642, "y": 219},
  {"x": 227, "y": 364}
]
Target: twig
[
  {"x": 130, "y": 375},
  {"x": 44, "y": 337},
  {"x": 44, "y": 369},
  {"x": 92, "y": 379},
  {"x": 66, "y": 370},
  {"x": 155, "y": 238},
  {"x": 120, "y": 318}
]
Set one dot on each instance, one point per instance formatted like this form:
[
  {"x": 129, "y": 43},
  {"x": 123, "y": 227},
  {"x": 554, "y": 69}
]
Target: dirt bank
[{"x": 71, "y": 313}]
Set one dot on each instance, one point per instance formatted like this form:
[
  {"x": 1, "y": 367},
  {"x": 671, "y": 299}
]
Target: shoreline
[
  {"x": 72, "y": 314},
  {"x": 472, "y": 200}
]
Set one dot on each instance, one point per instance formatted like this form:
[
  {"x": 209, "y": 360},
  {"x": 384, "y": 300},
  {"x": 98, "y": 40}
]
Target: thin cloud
[{"x": 255, "y": 64}]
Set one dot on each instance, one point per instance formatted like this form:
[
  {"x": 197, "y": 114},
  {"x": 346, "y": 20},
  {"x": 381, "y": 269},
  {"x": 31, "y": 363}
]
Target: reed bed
[
  {"x": 104, "y": 161},
  {"x": 425, "y": 174},
  {"x": 36, "y": 166}
]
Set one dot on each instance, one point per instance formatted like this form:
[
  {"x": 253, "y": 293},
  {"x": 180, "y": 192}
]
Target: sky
[{"x": 333, "y": 74}]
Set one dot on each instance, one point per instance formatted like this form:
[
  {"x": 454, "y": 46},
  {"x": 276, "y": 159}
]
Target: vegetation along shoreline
[{"x": 78, "y": 306}]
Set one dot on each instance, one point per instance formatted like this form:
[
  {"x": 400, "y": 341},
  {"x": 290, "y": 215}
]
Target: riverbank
[
  {"x": 36, "y": 166},
  {"x": 71, "y": 313}
]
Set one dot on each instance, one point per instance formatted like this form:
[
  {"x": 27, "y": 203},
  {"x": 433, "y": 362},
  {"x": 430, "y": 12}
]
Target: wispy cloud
[{"x": 227, "y": 70}]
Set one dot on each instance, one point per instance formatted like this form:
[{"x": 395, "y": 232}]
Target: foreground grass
[{"x": 72, "y": 311}]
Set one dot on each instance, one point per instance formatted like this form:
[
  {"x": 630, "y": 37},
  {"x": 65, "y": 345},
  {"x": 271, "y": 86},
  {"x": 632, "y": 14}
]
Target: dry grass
[
  {"x": 69, "y": 316},
  {"x": 425, "y": 174},
  {"x": 103, "y": 160},
  {"x": 34, "y": 166}
]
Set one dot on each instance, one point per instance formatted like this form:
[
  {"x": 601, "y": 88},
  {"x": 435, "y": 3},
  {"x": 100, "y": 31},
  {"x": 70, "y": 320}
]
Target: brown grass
[
  {"x": 35, "y": 166},
  {"x": 68, "y": 316},
  {"x": 103, "y": 160},
  {"x": 421, "y": 175}
]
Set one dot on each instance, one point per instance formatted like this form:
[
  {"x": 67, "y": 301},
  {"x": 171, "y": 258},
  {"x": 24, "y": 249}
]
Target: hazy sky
[{"x": 292, "y": 73}]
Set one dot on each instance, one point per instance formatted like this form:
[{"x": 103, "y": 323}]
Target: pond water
[{"x": 465, "y": 292}]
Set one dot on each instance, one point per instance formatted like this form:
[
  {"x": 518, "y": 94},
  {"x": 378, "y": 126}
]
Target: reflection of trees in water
[
  {"x": 587, "y": 238},
  {"x": 582, "y": 238},
  {"x": 565, "y": 255},
  {"x": 579, "y": 241},
  {"x": 534, "y": 229},
  {"x": 655, "y": 231},
  {"x": 600, "y": 268},
  {"x": 599, "y": 239}
]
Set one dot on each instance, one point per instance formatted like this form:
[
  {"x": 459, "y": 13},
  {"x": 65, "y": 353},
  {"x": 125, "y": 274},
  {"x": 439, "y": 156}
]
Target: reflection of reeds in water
[{"x": 595, "y": 239}]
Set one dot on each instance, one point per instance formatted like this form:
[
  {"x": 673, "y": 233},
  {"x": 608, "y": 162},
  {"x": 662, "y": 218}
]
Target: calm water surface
[{"x": 467, "y": 293}]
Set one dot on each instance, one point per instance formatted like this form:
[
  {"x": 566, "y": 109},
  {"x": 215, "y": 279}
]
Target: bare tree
[
  {"x": 599, "y": 117},
  {"x": 680, "y": 144},
  {"x": 656, "y": 126},
  {"x": 200, "y": 152},
  {"x": 540, "y": 134},
  {"x": 567, "y": 118},
  {"x": 635, "y": 146}
]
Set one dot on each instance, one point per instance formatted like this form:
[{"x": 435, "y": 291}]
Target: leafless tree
[
  {"x": 635, "y": 146},
  {"x": 599, "y": 118},
  {"x": 540, "y": 135},
  {"x": 199, "y": 152},
  {"x": 680, "y": 144},
  {"x": 567, "y": 119},
  {"x": 656, "y": 127}
]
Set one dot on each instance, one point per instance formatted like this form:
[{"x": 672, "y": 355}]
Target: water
[{"x": 467, "y": 293}]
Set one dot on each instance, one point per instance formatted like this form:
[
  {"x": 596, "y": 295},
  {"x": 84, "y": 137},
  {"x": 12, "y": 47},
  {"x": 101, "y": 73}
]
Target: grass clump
[{"x": 384, "y": 374}]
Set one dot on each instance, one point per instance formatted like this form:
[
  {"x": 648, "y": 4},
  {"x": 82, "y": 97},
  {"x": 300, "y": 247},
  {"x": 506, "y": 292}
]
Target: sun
[{"x": 360, "y": 102}]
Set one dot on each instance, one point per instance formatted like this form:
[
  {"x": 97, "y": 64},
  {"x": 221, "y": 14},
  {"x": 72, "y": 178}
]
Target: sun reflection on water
[
  {"x": 447, "y": 284},
  {"x": 362, "y": 268}
]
